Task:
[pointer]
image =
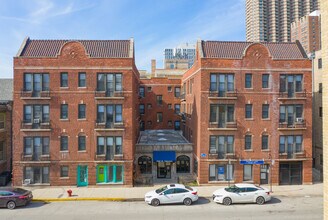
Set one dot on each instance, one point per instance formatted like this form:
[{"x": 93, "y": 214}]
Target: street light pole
[{"x": 270, "y": 170}]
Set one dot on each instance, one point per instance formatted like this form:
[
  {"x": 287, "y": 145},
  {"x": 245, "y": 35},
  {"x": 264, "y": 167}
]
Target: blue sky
[{"x": 154, "y": 24}]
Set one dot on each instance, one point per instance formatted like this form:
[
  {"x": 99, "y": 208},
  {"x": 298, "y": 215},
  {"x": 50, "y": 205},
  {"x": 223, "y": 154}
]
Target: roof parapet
[
  {"x": 200, "y": 48},
  {"x": 131, "y": 51},
  {"x": 22, "y": 46}
]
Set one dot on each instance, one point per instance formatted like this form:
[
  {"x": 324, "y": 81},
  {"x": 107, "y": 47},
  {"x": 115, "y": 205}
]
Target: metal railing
[{"x": 223, "y": 94}]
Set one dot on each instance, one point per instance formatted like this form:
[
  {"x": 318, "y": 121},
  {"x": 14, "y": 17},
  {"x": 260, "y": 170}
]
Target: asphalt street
[{"x": 279, "y": 208}]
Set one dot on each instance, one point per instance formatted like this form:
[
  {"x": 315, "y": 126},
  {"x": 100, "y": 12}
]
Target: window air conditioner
[
  {"x": 27, "y": 181},
  {"x": 299, "y": 120},
  {"x": 36, "y": 121}
]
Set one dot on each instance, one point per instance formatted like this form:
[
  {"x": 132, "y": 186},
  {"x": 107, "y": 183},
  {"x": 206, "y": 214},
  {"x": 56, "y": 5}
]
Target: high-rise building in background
[
  {"x": 270, "y": 20},
  {"x": 180, "y": 57},
  {"x": 307, "y": 31}
]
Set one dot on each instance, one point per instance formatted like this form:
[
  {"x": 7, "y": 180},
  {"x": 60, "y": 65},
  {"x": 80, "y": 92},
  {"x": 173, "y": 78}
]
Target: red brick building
[
  {"x": 248, "y": 113},
  {"x": 159, "y": 106},
  {"x": 6, "y": 104},
  {"x": 75, "y": 113}
]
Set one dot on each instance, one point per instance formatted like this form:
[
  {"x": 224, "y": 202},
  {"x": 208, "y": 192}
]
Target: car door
[
  {"x": 241, "y": 195},
  {"x": 251, "y": 194},
  {"x": 167, "y": 196},
  {"x": 3, "y": 200},
  {"x": 180, "y": 194}
]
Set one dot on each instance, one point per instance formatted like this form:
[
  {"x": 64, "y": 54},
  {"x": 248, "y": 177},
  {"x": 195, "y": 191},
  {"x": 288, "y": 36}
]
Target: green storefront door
[
  {"x": 82, "y": 175},
  {"x": 101, "y": 171}
]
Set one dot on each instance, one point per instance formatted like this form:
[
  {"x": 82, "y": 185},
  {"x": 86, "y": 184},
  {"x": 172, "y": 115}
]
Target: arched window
[
  {"x": 145, "y": 164},
  {"x": 183, "y": 164}
]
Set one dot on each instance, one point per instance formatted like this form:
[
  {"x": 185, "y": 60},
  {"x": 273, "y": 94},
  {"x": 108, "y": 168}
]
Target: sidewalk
[{"x": 51, "y": 194}]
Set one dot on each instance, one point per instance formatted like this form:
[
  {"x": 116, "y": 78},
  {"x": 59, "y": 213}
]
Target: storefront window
[
  {"x": 145, "y": 165},
  {"x": 183, "y": 164},
  {"x": 221, "y": 172}
]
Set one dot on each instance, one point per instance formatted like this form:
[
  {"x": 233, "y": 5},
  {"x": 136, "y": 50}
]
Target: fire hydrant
[{"x": 69, "y": 192}]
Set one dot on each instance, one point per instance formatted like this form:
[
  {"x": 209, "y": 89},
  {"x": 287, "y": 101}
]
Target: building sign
[
  {"x": 203, "y": 155},
  {"x": 221, "y": 173},
  {"x": 251, "y": 162}
]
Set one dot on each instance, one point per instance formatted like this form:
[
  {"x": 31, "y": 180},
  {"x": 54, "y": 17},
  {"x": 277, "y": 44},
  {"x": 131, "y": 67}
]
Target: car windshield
[
  {"x": 158, "y": 191},
  {"x": 19, "y": 191},
  {"x": 233, "y": 188}
]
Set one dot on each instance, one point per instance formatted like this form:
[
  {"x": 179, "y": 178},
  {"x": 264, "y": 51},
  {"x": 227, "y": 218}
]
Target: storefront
[
  {"x": 162, "y": 155},
  {"x": 290, "y": 173}
]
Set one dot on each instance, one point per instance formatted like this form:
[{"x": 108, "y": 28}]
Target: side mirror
[{"x": 161, "y": 194}]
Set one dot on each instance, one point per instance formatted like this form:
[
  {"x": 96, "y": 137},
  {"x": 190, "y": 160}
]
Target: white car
[
  {"x": 173, "y": 193},
  {"x": 242, "y": 193}
]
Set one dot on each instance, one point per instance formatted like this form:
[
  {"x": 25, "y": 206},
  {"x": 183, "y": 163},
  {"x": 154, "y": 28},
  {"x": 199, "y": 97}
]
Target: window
[
  {"x": 149, "y": 89},
  {"x": 291, "y": 144},
  {"x": 82, "y": 143},
  {"x": 115, "y": 174},
  {"x": 221, "y": 172},
  {"x": 145, "y": 165},
  {"x": 2, "y": 120},
  {"x": 109, "y": 146},
  {"x": 109, "y": 114},
  {"x": 159, "y": 117},
  {"x": 109, "y": 82},
  {"x": 169, "y": 123},
  {"x": 265, "y": 81},
  {"x": 265, "y": 111},
  {"x": 36, "y": 82},
  {"x": 290, "y": 114},
  {"x": 221, "y": 114},
  {"x": 63, "y": 79},
  {"x": 177, "y": 92},
  {"x": 36, "y": 114},
  {"x": 2, "y": 151},
  {"x": 248, "y": 173},
  {"x": 248, "y": 80},
  {"x": 169, "y": 106},
  {"x": 177, "y": 108},
  {"x": 149, "y": 106},
  {"x": 248, "y": 142},
  {"x": 221, "y": 145},
  {"x": 320, "y": 87},
  {"x": 222, "y": 83},
  {"x": 177, "y": 125},
  {"x": 169, "y": 88},
  {"x": 37, "y": 175},
  {"x": 265, "y": 142},
  {"x": 249, "y": 111},
  {"x": 63, "y": 171},
  {"x": 291, "y": 84},
  {"x": 36, "y": 146},
  {"x": 64, "y": 111},
  {"x": 159, "y": 99},
  {"x": 142, "y": 109},
  {"x": 142, "y": 92},
  {"x": 82, "y": 80},
  {"x": 319, "y": 63},
  {"x": 320, "y": 112},
  {"x": 183, "y": 164},
  {"x": 82, "y": 108},
  {"x": 64, "y": 143}
]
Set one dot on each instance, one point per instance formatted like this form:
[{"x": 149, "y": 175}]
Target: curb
[{"x": 86, "y": 199}]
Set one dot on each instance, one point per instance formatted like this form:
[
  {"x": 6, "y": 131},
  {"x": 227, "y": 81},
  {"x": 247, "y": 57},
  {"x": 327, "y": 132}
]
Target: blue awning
[{"x": 164, "y": 156}]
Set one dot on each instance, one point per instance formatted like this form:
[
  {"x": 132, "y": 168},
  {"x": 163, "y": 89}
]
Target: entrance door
[
  {"x": 264, "y": 174},
  {"x": 163, "y": 170},
  {"x": 101, "y": 173},
  {"x": 82, "y": 175},
  {"x": 290, "y": 173}
]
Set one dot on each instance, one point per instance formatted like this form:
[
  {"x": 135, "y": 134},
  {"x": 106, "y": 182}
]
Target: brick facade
[
  {"x": 256, "y": 60},
  {"x": 73, "y": 59},
  {"x": 164, "y": 87}
]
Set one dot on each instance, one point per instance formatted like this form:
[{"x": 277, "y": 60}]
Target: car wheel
[
  {"x": 227, "y": 201},
  {"x": 11, "y": 205},
  {"x": 155, "y": 202},
  {"x": 260, "y": 200},
  {"x": 187, "y": 201}
]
